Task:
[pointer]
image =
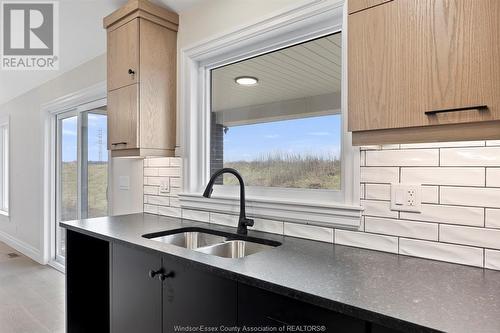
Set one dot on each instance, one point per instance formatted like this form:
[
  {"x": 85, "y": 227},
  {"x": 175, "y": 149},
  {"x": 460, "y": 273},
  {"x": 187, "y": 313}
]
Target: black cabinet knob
[
  {"x": 131, "y": 71},
  {"x": 164, "y": 276},
  {"x": 153, "y": 273}
]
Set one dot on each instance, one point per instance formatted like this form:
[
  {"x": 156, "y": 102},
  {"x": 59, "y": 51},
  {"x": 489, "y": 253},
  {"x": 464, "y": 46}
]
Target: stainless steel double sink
[{"x": 213, "y": 242}]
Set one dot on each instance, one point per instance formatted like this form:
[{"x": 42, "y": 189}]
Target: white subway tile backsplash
[
  {"x": 430, "y": 194},
  {"x": 169, "y": 172},
  {"x": 152, "y": 190},
  {"x": 424, "y": 157},
  {"x": 492, "y": 259},
  {"x": 443, "y": 176},
  {"x": 271, "y": 226},
  {"x": 366, "y": 240},
  {"x": 224, "y": 219},
  {"x": 482, "y": 237},
  {"x": 175, "y": 182},
  {"x": 420, "y": 230},
  {"x": 150, "y": 172},
  {"x": 157, "y": 200},
  {"x": 196, "y": 215},
  {"x": 155, "y": 180},
  {"x": 378, "y": 208},
  {"x": 308, "y": 231},
  {"x": 459, "y": 221},
  {"x": 471, "y": 196},
  {"x": 438, "y": 251},
  {"x": 175, "y": 162},
  {"x": 479, "y": 156},
  {"x": 158, "y": 162},
  {"x": 473, "y": 216},
  {"x": 169, "y": 211},
  {"x": 379, "y": 175},
  {"x": 492, "y": 218},
  {"x": 493, "y": 177},
  {"x": 378, "y": 191},
  {"x": 153, "y": 209}
]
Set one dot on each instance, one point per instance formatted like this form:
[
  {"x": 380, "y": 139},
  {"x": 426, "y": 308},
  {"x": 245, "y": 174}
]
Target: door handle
[{"x": 465, "y": 108}]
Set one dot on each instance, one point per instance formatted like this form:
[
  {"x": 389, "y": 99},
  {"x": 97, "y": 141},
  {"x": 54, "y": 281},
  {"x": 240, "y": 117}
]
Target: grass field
[
  {"x": 288, "y": 170},
  {"x": 97, "y": 184}
]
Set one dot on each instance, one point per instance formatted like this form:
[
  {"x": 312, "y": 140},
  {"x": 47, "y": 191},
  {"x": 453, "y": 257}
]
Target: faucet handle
[{"x": 249, "y": 222}]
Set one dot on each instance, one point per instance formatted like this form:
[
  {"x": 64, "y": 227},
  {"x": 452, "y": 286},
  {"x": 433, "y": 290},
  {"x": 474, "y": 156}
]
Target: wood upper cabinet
[
  {"x": 142, "y": 65},
  {"x": 424, "y": 70},
  {"x": 123, "y": 55},
  {"x": 358, "y": 5}
]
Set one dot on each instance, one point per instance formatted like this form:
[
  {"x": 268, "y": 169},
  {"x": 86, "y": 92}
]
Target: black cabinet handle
[
  {"x": 164, "y": 276},
  {"x": 118, "y": 143},
  {"x": 153, "y": 273},
  {"x": 131, "y": 71},
  {"x": 465, "y": 108}
]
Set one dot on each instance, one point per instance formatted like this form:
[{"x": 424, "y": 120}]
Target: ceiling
[
  {"x": 305, "y": 70},
  {"x": 82, "y": 38}
]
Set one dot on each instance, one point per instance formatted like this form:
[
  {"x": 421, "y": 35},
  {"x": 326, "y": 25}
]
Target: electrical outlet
[
  {"x": 164, "y": 187},
  {"x": 406, "y": 197}
]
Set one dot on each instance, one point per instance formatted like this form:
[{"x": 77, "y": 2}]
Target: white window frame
[
  {"x": 5, "y": 165},
  {"x": 83, "y": 100},
  {"x": 295, "y": 25}
]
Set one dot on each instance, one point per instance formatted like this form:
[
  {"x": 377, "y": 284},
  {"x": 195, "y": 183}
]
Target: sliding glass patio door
[{"x": 81, "y": 168}]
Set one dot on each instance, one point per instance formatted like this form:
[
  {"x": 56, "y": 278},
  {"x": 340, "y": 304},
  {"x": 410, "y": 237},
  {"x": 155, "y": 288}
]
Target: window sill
[{"x": 323, "y": 214}]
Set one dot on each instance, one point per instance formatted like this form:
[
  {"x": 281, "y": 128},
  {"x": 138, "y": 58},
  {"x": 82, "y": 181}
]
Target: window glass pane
[
  {"x": 276, "y": 118},
  {"x": 69, "y": 169},
  {"x": 97, "y": 163}
]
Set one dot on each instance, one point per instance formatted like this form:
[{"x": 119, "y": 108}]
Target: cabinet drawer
[
  {"x": 257, "y": 307},
  {"x": 358, "y": 5},
  {"x": 123, "y": 55},
  {"x": 123, "y": 117}
]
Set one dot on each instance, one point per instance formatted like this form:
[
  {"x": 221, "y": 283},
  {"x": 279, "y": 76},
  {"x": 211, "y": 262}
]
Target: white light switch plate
[
  {"x": 406, "y": 197},
  {"x": 124, "y": 183}
]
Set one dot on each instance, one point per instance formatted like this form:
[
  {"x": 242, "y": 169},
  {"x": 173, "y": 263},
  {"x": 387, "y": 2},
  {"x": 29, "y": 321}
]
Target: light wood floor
[{"x": 31, "y": 295}]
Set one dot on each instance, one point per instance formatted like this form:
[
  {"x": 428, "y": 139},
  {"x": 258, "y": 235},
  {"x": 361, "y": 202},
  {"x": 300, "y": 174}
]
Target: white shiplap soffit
[{"x": 310, "y": 20}]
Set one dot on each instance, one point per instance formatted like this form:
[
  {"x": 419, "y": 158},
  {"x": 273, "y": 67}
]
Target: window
[
  {"x": 268, "y": 99},
  {"x": 4, "y": 167},
  {"x": 276, "y": 118}
]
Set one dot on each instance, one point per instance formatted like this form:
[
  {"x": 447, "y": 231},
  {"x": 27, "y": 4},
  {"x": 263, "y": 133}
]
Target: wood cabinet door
[
  {"x": 193, "y": 297},
  {"x": 135, "y": 296},
  {"x": 123, "y": 118},
  {"x": 357, "y": 5},
  {"x": 409, "y": 57},
  {"x": 123, "y": 55}
]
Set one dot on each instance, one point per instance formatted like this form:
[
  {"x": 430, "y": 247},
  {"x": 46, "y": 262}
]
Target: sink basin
[
  {"x": 191, "y": 239},
  {"x": 234, "y": 249},
  {"x": 213, "y": 242}
]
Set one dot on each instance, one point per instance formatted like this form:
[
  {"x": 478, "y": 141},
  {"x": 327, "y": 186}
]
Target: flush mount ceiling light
[{"x": 246, "y": 80}]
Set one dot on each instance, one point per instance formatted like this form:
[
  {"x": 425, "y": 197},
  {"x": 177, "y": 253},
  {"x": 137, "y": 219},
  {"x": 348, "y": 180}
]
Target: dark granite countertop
[{"x": 401, "y": 292}]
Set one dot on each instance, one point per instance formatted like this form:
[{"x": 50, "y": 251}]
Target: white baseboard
[{"x": 22, "y": 247}]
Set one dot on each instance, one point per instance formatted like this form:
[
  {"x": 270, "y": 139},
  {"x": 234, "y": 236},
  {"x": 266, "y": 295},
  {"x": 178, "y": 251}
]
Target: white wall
[{"x": 23, "y": 229}]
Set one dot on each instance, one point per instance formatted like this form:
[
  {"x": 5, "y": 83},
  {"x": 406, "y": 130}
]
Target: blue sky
[
  {"x": 315, "y": 135},
  {"x": 69, "y": 132}
]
